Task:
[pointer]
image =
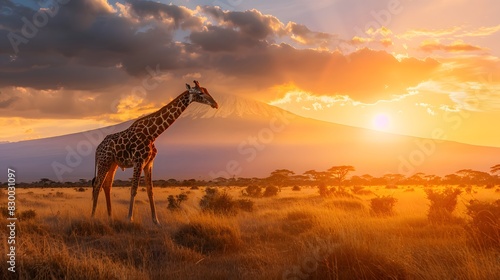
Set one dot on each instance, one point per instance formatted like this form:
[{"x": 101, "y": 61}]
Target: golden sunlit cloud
[
  {"x": 457, "y": 46},
  {"x": 422, "y": 32}
]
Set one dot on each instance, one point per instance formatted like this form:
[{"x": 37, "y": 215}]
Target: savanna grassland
[{"x": 296, "y": 234}]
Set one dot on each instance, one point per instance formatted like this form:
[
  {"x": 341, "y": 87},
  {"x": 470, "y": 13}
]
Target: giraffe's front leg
[
  {"x": 133, "y": 191},
  {"x": 149, "y": 182}
]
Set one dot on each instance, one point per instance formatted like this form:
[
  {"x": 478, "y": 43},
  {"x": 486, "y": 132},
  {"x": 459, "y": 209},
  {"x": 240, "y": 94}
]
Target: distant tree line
[{"x": 334, "y": 176}]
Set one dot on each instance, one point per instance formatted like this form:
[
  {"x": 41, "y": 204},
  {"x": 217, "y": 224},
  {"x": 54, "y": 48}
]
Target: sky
[{"x": 400, "y": 66}]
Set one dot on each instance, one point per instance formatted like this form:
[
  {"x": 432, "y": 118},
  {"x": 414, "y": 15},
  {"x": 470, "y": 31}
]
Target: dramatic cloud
[
  {"x": 300, "y": 33},
  {"x": 88, "y": 58},
  {"x": 250, "y": 23}
]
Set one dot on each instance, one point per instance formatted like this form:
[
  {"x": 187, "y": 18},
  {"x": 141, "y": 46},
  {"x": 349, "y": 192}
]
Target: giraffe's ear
[{"x": 188, "y": 86}]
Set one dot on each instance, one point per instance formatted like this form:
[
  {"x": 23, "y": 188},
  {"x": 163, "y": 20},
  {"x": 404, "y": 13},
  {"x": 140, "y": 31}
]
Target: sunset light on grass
[{"x": 239, "y": 139}]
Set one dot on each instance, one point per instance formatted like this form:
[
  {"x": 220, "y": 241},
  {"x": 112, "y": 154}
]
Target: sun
[{"x": 381, "y": 121}]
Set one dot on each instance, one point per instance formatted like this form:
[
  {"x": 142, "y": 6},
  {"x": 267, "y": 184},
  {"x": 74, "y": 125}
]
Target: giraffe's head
[{"x": 201, "y": 95}]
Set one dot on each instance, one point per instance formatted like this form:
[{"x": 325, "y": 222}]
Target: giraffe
[{"x": 134, "y": 148}]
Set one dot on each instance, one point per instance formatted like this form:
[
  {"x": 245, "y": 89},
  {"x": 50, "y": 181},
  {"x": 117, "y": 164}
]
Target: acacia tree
[
  {"x": 495, "y": 169},
  {"x": 280, "y": 177},
  {"x": 470, "y": 176},
  {"x": 393, "y": 179},
  {"x": 316, "y": 176},
  {"x": 339, "y": 173},
  {"x": 417, "y": 179}
]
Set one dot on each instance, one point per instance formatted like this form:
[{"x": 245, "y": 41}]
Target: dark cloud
[
  {"x": 181, "y": 17},
  {"x": 251, "y": 23},
  {"x": 216, "y": 38},
  {"x": 304, "y": 35},
  {"x": 88, "y": 49}
]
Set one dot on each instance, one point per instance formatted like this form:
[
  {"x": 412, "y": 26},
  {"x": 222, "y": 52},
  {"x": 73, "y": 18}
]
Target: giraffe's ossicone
[{"x": 134, "y": 148}]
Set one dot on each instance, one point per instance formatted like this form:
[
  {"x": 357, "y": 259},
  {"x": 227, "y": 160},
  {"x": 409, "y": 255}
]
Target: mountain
[{"x": 247, "y": 138}]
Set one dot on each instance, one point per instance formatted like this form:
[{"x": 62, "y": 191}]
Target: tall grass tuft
[
  {"x": 382, "y": 206},
  {"x": 208, "y": 238},
  {"x": 443, "y": 203},
  {"x": 483, "y": 230},
  {"x": 353, "y": 262},
  {"x": 218, "y": 203}
]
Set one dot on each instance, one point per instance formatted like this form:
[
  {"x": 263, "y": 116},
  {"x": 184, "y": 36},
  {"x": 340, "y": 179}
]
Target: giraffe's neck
[{"x": 157, "y": 122}]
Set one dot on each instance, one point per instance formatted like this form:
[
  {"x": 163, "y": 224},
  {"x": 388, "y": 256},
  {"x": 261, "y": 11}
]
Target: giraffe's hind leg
[
  {"x": 149, "y": 182},
  {"x": 108, "y": 183},
  {"x": 133, "y": 190},
  {"x": 99, "y": 181}
]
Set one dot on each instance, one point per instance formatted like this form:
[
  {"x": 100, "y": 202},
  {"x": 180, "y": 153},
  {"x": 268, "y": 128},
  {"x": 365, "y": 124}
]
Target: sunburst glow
[{"x": 381, "y": 121}]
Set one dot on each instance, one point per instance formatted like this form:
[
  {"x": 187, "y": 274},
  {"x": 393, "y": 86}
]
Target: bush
[
  {"x": 297, "y": 222},
  {"x": 207, "y": 238},
  {"x": 195, "y": 188},
  {"x": 218, "y": 203},
  {"x": 483, "y": 230},
  {"x": 245, "y": 204},
  {"x": 253, "y": 191},
  {"x": 323, "y": 191},
  {"x": 174, "y": 203},
  {"x": 271, "y": 191},
  {"x": 383, "y": 206},
  {"x": 443, "y": 203},
  {"x": 335, "y": 192},
  {"x": 27, "y": 215},
  {"x": 296, "y": 188},
  {"x": 80, "y": 189}
]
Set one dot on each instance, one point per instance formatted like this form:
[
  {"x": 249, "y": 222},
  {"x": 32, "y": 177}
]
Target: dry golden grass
[{"x": 296, "y": 235}]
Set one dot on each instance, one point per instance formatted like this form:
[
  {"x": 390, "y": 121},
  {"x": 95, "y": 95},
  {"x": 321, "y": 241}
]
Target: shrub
[
  {"x": 80, "y": 189},
  {"x": 297, "y": 222},
  {"x": 253, "y": 191},
  {"x": 245, "y": 204},
  {"x": 483, "y": 230},
  {"x": 174, "y": 202},
  {"x": 296, "y": 188},
  {"x": 335, "y": 192},
  {"x": 219, "y": 203},
  {"x": 271, "y": 191},
  {"x": 27, "y": 215},
  {"x": 195, "y": 188},
  {"x": 443, "y": 203},
  {"x": 59, "y": 194},
  {"x": 207, "y": 238},
  {"x": 323, "y": 191},
  {"x": 383, "y": 205}
]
